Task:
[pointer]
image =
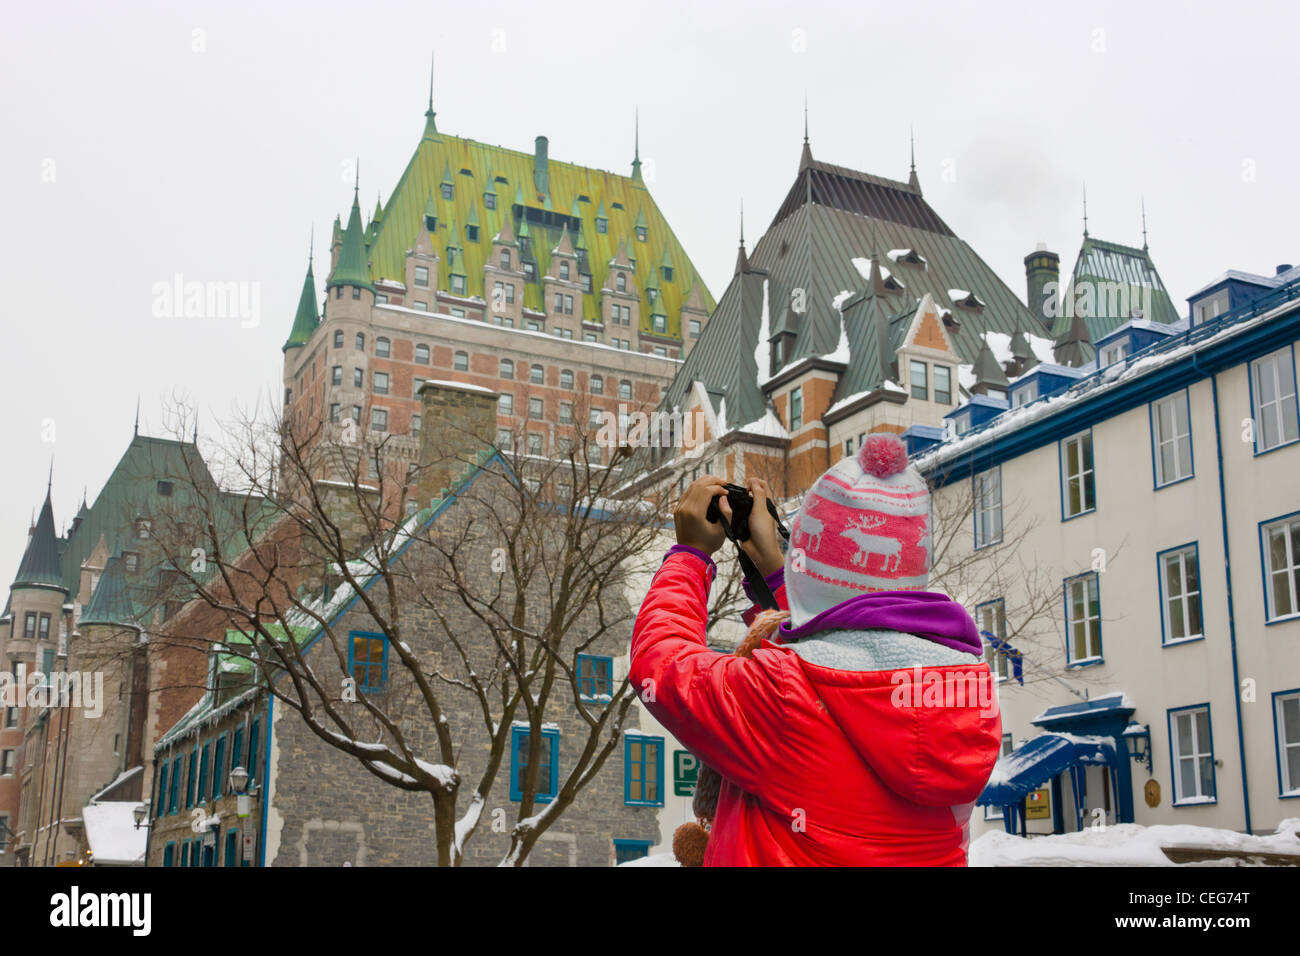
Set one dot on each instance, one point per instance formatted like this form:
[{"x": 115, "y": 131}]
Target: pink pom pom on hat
[{"x": 864, "y": 526}]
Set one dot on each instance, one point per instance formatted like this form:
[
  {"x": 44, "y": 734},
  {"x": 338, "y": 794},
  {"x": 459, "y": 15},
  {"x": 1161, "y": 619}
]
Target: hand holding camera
[{"x": 749, "y": 512}]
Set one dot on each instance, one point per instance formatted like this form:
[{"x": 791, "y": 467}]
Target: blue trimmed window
[
  {"x": 368, "y": 660},
  {"x": 986, "y": 490},
  {"x": 1273, "y": 400},
  {"x": 169, "y": 854},
  {"x": 196, "y": 851},
  {"x": 1078, "y": 477},
  {"x": 1180, "y": 594},
  {"x": 237, "y": 748},
  {"x": 185, "y": 854},
  {"x": 992, "y": 812},
  {"x": 1191, "y": 752},
  {"x": 162, "y": 790},
  {"x": 1171, "y": 439},
  {"x": 1280, "y": 553},
  {"x": 173, "y": 795},
  {"x": 595, "y": 677},
  {"x": 219, "y": 767},
  {"x": 253, "y": 740},
  {"x": 190, "y": 779},
  {"x": 1083, "y": 619},
  {"x": 203, "y": 774},
  {"x": 991, "y": 618},
  {"x": 643, "y": 770},
  {"x": 1286, "y": 729},
  {"x": 232, "y": 847},
  {"x": 548, "y": 772},
  {"x": 625, "y": 851}
]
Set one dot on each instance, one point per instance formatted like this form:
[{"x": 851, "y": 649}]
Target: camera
[{"x": 742, "y": 506}]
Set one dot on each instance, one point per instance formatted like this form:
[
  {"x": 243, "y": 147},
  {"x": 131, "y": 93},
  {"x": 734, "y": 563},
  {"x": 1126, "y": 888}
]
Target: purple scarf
[{"x": 923, "y": 613}]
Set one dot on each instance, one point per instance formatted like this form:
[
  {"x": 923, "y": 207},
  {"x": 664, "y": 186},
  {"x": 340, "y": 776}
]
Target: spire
[
  {"x": 1022, "y": 355},
  {"x": 1085, "y": 210},
  {"x": 1144, "y": 224},
  {"x": 304, "y": 321},
  {"x": 40, "y": 566},
  {"x": 136, "y": 433},
  {"x": 352, "y": 268},
  {"x": 1074, "y": 348},
  {"x": 111, "y": 601},
  {"x": 742, "y": 260},
  {"x": 805, "y": 157},
  {"x": 636, "y": 148},
  {"x": 988, "y": 371},
  {"x": 912, "y": 179},
  {"x": 430, "y": 127}
]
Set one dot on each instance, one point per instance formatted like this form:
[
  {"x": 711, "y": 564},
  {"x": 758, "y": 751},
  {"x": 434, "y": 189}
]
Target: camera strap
[{"x": 763, "y": 595}]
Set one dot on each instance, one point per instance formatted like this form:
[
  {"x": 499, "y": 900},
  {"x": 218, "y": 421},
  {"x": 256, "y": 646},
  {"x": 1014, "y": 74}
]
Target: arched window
[
  {"x": 537, "y": 375},
  {"x": 462, "y": 362},
  {"x": 622, "y": 282},
  {"x": 625, "y": 390},
  {"x": 597, "y": 385},
  {"x": 507, "y": 368},
  {"x": 382, "y": 348},
  {"x": 505, "y": 258},
  {"x": 566, "y": 378},
  {"x": 422, "y": 354}
]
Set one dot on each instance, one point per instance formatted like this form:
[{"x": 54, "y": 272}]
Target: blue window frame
[
  {"x": 203, "y": 774},
  {"x": 368, "y": 660},
  {"x": 232, "y": 847},
  {"x": 185, "y": 854},
  {"x": 1286, "y": 732},
  {"x": 162, "y": 790},
  {"x": 595, "y": 677},
  {"x": 169, "y": 854},
  {"x": 1179, "y": 585},
  {"x": 237, "y": 748},
  {"x": 1191, "y": 755},
  {"x": 1171, "y": 439},
  {"x": 548, "y": 773},
  {"x": 219, "y": 767},
  {"x": 1273, "y": 406},
  {"x": 990, "y": 812},
  {"x": 1279, "y": 557},
  {"x": 1083, "y": 619},
  {"x": 625, "y": 851},
  {"x": 986, "y": 494},
  {"x": 191, "y": 778},
  {"x": 195, "y": 853},
  {"x": 1078, "y": 476},
  {"x": 643, "y": 770},
  {"x": 173, "y": 795},
  {"x": 253, "y": 740}
]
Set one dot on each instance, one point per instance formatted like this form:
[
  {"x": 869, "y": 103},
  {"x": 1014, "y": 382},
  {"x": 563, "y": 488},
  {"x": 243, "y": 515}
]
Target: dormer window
[
  {"x": 457, "y": 285},
  {"x": 1115, "y": 352},
  {"x": 641, "y": 233},
  {"x": 490, "y": 200},
  {"x": 965, "y": 299},
  {"x": 602, "y": 225},
  {"x": 471, "y": 233},
  {"x": 448, "y": 190},
  {"x": 528, "y": 271},
  {"x": 909, "y": 257},
  {"x": 668, "y": 273}
]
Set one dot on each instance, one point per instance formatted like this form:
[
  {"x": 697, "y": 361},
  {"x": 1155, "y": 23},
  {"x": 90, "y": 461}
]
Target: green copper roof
[
  {"x": 41, "y": 566},
  {"x": 1111, "y": 283},
  {"x": 351, "y": 268},
  {"x": 111, "y": 602},
  {"x": 308, "y": 316},
  {"x": 640, "y": 219}
]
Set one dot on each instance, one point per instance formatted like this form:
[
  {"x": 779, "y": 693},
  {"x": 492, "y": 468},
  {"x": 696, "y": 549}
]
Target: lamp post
[
  {"x": 1137, "y": 742},
  {"x": 239, "y": 786}
]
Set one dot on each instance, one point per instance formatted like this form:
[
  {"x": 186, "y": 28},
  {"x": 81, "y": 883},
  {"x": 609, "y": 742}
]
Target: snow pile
[
  {"x": 112, "y": 833},
  {"x": 1127, "y": 844}
]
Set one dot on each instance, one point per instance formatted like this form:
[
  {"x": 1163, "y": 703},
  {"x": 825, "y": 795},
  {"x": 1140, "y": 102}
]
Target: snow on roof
[
  {"x": 1135, "y": 367},
  {"x": 763, "y": 351},
  {"x": 769, "y": 425},
  {"x": 863, "y": 265},
  {"x": 840, "y": 297},
  {"x": 1000, "y": 345},
  {"x": 121, "y": 778},
  {"x": 112, "y": 833},
  {"x": 1125, "y": 844},
  {"x": 463, "y": 386}
]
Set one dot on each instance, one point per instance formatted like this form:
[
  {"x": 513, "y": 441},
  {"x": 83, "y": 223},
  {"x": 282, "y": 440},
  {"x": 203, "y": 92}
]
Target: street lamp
[
  {"x": 140, "y": 812},
  {"x": 239, "y": 786},
  {"x": 1137, "y": 741},
  {"x": 239, "y": 780}
]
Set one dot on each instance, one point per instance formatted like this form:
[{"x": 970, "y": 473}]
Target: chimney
[
  {"x": 1041, "y": 268},
  {"x": 541, "y": 175},
  {"x": 458, "y": 421}
]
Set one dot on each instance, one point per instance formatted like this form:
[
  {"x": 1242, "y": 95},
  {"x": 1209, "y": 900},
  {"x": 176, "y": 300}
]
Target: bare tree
[{"x": 486, "y": 593}]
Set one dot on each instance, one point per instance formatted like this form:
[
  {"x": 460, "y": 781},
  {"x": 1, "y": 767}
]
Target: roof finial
[
  {"x": 1144, "y": 224},
  {"x": 805, "y": 117},
  {"x": 742, "y": 221},
  {"x": 430, "y": 127},
  {"x": 311, "y": 246},
  {"x": 195, "y": 440},
  {"x": 636, "y": 143},
  {"x": 49, "y": 485},
  {"x": 911, "y": 136},
  {"x": 137, "y": 415},
  {"x": 431, "y": 56},
  {"x": 1085, "y": 209},
  {"x": 356, "y": 185}
]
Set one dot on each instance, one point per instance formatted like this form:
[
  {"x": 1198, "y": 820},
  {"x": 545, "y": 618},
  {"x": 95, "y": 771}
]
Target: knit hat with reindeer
[{"x": 864, "y": 526}]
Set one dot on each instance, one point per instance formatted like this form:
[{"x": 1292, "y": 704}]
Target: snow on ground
[{"x": 1127, "y": 844}]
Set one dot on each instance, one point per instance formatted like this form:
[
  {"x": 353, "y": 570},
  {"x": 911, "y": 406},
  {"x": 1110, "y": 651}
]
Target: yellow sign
[
  {"x": 1038, "y": 804},
  {"x": 1151, "y": 790}
]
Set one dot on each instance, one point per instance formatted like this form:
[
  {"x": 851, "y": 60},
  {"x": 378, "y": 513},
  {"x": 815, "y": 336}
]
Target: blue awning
[
  {"x": 1027, "y": 768},
  {"x": 1098, "y": 710}
]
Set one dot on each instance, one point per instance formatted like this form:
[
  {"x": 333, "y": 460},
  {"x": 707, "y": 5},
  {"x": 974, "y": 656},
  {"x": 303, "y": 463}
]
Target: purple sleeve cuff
[
  {"x": 774, "y": 581},
  {"x": 687, "y": 549}
]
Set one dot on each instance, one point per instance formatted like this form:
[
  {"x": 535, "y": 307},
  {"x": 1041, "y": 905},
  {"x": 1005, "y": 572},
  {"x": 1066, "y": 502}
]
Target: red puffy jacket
[{"x": 820, "y": 767}]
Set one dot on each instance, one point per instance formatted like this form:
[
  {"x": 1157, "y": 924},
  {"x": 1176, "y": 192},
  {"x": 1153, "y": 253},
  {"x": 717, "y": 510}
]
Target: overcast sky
[{"x": 143, "y": 141}]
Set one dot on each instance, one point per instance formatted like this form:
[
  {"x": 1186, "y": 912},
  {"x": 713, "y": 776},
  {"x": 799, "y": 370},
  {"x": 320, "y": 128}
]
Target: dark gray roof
[
  {"x": 40, "y": 566},
  {"x": 831, "y": 216}
]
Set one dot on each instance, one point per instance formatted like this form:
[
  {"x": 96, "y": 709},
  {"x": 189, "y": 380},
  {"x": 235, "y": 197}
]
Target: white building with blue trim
[{"x": 1159, "y": 488}]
